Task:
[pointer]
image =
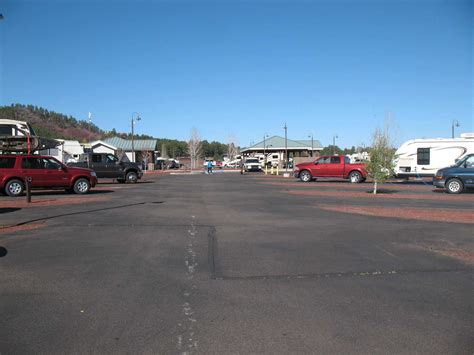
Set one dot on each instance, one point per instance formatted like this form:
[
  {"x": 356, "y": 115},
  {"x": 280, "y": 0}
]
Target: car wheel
[
  {"x": 355, "y": 177},
  {"x": 132, "y": 177},
  {"x": 305, "y": 176},
  {"x": 81, "y": 186},
  {"x": 14, "y": 188},
  {"x": 454, "y": 186}
]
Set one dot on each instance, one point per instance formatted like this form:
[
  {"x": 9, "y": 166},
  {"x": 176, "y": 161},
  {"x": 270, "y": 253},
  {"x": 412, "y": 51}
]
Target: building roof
[
  {"x": 95, "y": 143},
  {"x": 278, "y": 143},
  {"x": 138, "y": 144}
]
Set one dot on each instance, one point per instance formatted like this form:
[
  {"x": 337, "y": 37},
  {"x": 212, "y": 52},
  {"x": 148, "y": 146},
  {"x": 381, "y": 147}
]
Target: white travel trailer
[
  {"x": 67, "y": 151},
  {"x": 19, "y": 136},
  {"x": 424, "y": 157},
  {"x": 15, "y": 128}
]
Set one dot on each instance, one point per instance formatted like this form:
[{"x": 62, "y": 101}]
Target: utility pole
[
  {"x": 133, "y": 133},
  {"x": 454, "y": 124},
  {"x": 312, "y": 143},
  {"x": 286, "y": 146},
  {"x": 90, "y": 125},
  {"x": 264, "y": 149},
  {"x": 334, "y": 144}
]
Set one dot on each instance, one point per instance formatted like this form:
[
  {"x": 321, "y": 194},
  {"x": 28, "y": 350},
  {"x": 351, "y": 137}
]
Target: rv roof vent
[{"x": 467, "y": 135}]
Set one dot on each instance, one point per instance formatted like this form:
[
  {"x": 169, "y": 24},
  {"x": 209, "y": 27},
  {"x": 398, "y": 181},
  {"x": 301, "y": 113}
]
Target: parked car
[
  {"x": 457, "y": 177},
  {"x": 44, "y": 172},
  {"x": 252, "y": 164},
  {"x": 167, "y": 163},
  {"x": 107, "y": 165},
  {"x": 338, "y": 166}
]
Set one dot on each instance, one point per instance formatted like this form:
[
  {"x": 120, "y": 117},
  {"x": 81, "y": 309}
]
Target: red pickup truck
[
  {"x": 331, "y": 166},
  {"x": 44, "y": 172}
]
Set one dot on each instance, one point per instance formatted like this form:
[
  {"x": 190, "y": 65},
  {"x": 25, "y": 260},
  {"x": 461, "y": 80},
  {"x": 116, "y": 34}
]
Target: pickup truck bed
[{"x": 109, "y": 166}]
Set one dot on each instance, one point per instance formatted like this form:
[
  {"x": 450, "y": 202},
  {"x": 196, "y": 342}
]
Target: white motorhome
[{"x": 424, "y": 157}]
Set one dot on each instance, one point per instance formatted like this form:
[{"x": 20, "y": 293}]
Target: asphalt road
[{"x": 230, "y": 264}]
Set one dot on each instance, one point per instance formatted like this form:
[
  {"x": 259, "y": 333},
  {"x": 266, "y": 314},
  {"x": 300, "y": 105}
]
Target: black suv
[{"x": 457, "y": 177}]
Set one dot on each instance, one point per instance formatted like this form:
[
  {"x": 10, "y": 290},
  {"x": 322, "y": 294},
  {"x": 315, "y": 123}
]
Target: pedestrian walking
[{"x": 209, "y": 167}]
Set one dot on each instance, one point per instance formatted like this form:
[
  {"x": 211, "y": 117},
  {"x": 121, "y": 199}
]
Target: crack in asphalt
[{"x": 347, "y": 274}]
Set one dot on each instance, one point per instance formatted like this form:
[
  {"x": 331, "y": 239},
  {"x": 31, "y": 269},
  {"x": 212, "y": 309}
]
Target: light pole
[
  {"x": 133, "y": 132},
  {"x": 454, "y": 124},
  {"x": 334, "y": 144},
  {"x": 312, "y": 143},
  {"x": 264, "y": 148},
  {"x": 286, "y": 146},
  {"x": 90, "y": 124}
]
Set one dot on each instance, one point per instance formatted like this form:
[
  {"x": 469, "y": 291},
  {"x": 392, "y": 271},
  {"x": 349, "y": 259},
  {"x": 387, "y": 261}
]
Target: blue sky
[{"x": 244, "y": 67}]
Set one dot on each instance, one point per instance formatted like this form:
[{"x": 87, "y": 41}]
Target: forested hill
[{"x": 51, "y": 124}]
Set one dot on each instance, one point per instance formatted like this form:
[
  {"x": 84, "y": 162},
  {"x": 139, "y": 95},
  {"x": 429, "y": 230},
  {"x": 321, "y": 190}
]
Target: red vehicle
[
  {"x": 42, "y": 172},
  {"x": 331, "y": 166}
]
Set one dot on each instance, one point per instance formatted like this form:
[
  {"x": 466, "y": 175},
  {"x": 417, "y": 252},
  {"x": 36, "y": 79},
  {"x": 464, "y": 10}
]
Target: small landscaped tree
[{"x": 382, "y": 154}]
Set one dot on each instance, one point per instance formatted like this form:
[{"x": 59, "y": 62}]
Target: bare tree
[
  {"x": 164, "y": 152},
  {"x": 194, "y": 146},
  {"x": 232, "y": 149}
]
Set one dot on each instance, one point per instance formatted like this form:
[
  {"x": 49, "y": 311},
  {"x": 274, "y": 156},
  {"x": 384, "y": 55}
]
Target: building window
[{"x": 423, "y": 156}]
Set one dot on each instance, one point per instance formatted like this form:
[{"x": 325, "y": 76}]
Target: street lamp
[
  {"x": 286, "y": 146},
  {"x": 454, "y": 124},
  {"x": 312, "y": 143},
  {"x": 334, "y": 144},
  {"x": 265, "y": 136},
  {"x": 138, "y": 118}
]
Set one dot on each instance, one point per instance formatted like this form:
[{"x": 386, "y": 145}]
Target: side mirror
[{"x": 63, "y": 168}]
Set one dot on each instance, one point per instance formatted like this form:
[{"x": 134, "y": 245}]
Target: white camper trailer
[
  {"x": 424, "y": 157},
  {"x": 15, "y": 128}
]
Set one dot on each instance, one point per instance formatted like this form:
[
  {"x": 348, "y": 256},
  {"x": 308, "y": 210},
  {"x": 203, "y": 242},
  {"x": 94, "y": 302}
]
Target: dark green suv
[{"x": 458, "y": 177}]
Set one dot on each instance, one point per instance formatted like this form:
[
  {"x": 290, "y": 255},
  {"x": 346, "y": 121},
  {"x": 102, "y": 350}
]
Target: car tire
[
  {"x": 81, "y": 186},
  {"x": 355, "y": 177},
  {"x": 306, "y": 176},
  {"x": 454, "y": 186},
  {"x": 14, "y": 188},
  {"x": 131, "y": 177}
]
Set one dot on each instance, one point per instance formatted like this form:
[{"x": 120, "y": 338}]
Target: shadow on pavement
[
  {"x": 64, "y": 193},
  {"x": 8, "y": 209},
  {"x": 3, "y": 252}
]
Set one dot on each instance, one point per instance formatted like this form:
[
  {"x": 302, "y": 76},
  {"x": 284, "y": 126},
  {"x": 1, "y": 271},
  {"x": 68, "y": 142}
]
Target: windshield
[
  {"x": 468, "y": 160},
  {"x": 252, "y": 161}
]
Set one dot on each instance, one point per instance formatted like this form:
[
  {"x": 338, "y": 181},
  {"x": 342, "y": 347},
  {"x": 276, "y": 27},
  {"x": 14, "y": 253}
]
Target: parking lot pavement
[{"x": 231, "y": 263}]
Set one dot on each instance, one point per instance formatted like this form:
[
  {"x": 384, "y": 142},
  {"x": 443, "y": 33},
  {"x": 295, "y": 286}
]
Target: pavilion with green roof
[{"x": 295, "y": 148}]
